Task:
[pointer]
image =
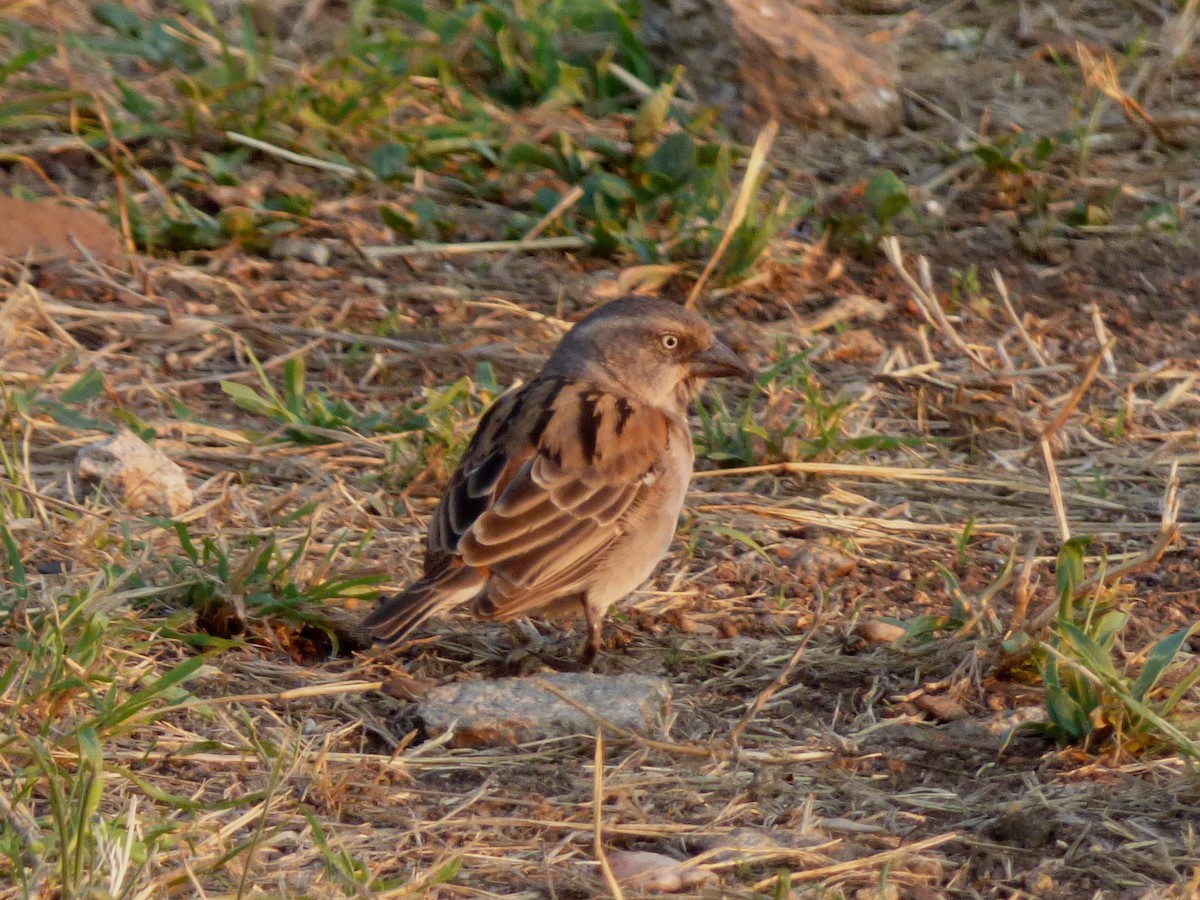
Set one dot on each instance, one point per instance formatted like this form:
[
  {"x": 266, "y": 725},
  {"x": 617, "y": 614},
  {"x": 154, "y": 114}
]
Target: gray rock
[
  {"x": 510, "y": 711},
  {"x": 313, "y": 252},
  {"x": 748, "y": 846}
]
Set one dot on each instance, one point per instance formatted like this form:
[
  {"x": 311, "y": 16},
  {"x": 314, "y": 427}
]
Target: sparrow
[{"x": 570, "y": 490}]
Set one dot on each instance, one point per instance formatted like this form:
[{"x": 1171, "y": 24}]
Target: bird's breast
[{"x": 650, "y": 526}]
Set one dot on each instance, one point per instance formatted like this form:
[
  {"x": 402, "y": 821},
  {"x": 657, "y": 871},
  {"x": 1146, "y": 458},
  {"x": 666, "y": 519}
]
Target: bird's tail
[{"x": 395, "y": 617}]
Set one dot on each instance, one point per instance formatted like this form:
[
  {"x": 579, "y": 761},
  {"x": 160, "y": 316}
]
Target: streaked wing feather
[
  {"x": 554, "y": 520},
  {"x": 547, "y": 530},
  {"x": 487, "y": 460},
  {"x": 542, "y": 489}
]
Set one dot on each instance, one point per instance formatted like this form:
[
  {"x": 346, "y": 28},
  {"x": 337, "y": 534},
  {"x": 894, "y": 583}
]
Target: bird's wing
[
  {"x": 446, "y": 583},
  {"x": 490, "y": 459},
  {"x": 576, "y": 466}
]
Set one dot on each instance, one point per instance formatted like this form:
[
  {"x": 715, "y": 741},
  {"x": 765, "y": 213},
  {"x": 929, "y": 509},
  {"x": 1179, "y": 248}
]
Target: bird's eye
[{"x": 669, "y": 341}]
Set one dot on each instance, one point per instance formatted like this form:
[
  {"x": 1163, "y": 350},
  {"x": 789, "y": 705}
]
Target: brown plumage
[{"x": 570, "y": 490}]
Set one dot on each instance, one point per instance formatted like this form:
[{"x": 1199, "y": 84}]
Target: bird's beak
[{"x": 718, "y": 361}]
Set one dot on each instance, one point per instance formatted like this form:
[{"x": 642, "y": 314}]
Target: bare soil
[{"x": 875, "y": 770}]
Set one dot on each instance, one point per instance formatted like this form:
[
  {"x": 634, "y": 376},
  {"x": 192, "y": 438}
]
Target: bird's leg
[
  {"x": 586, "y": 659},
  {"x": 595, "y": 629},
  {"x": 532, "y": 639}
]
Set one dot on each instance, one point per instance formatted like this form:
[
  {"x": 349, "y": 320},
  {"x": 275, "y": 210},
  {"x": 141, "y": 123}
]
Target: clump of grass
[
  {"x": 788, "y": 416},
  {"x": 1097, "y": 695},
  {"x": 433, "y": 427},
  {"x": 69, "y": 695},
  {"x": 259, "y": 579},
  {"x": 531, "y": 52},
  {"x": 411, "y": 87},
  {"x": 657, "y": 194}
]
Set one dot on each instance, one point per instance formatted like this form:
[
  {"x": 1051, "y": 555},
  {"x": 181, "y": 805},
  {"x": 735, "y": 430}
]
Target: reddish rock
[
  {"x": 762, "y": 59},
  {"x": 647, "y": 871},
  {"x": 140, "y": 474},
  {"x": 878, "y": 632},
  {"x": 42, "y": 231}
]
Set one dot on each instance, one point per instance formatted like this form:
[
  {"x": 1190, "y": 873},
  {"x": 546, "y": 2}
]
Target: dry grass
[{"x": 276, "y": 766}]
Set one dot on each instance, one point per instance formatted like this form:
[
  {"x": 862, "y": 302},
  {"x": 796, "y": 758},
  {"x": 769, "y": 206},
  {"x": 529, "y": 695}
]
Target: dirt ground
[{"x": 876, "y": 769}]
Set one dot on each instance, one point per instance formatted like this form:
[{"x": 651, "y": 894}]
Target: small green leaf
[
  {"x": 742, "y": 538},
  {"x": 71, "y": 418},
  {"x": 675, "y": 157},
  {"x": 293, "y": 385},
  {"x": 886, "y": 196},
  {"x": 1015, "y": 643},
  {"x": 1158, "y": 660},
  {"x": 534, "y": 155},
  {"x": 119, "y": 18},
  {"x": 399, "y": 222},
  {"x": 249, "y": 399},
  {"x": 1066, "y": 714},
  {"x": 1094, "y": 657},
  {"x": 135, "y": 424},
  {"x": 89, "y": 385},
  {"x": 998, "y": 161},
  {"x": 89, "y": 746},
  {"x": 185, "y": 542},
  {"x": 425, "y": 210},
  {"x": 388, "y": 161},
  {"x": 147, "y": 695},
  {"x": 136, "y": 102},
  {"x": 22, "y": 60},
  {"x": 1105, "y": 631},
  {"x": 1180, "y": 691},
  {"x": 16, "y": 568},
  {"x": 446, "y": 872},
  {"x": 608, "y": 185},
  {"x": 654, "y": 111},
  {"x": 783, "y": 885},
  {"x": 921, "y": 628},
  {"x": 1043, "y": 147},
  {"x": 1068, "y": 571}
]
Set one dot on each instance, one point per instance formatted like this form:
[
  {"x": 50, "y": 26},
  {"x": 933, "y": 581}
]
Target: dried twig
[
  {"x": 867, "y": 864},
  {"x": 735, "y": 736},
  {"x": 925, "y": 298},
  {"x": 300, "y": 159},
  {"x": 750, "y": 184},
  {"x": 610, "y": 879},
  {"x": 421, "y": 248},
  {"x": 1076, "y": 395},
  {"x": 1002, "y": 290},
  {"x": 565, "y": 202},
  {"x": 1056, "y": 497}
]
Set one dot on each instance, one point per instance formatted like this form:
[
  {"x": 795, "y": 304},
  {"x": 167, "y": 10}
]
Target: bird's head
[{"x": 654, "y": 350}]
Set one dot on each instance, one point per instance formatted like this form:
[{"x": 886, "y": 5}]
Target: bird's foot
[
  {"x": 567, "y": 664},
  {"x": 536, "y": 650}
]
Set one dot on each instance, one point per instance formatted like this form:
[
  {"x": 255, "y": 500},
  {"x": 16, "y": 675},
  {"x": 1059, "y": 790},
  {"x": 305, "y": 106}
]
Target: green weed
[
  {"x": 1015, "y": 154},
  {"x": 1092, "y": 695},
  {"x": 414, "y": 86},
  {"x": 429, "y": 431},
  {"x": 657, "y": 195},
  {"x": 531, "y": 52},
  {"x": 258, "y": 579},
  {"x": 787, "y": 417},
  {"x": 67, "y": 683},
  {"x": 885, "y": 197}
]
